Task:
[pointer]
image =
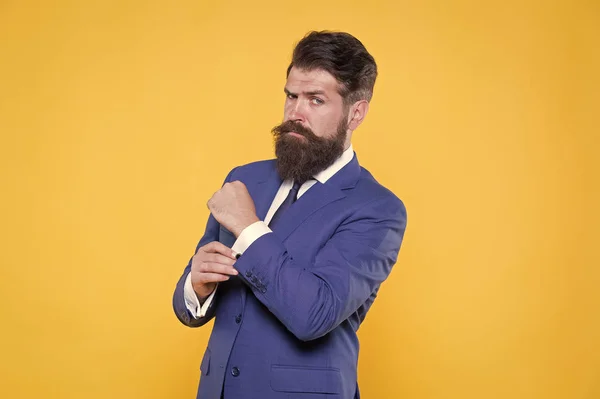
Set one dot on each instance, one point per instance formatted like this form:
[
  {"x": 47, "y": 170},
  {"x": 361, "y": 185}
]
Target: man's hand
[
  {"x": 233, "y": 207},
  {"x": 211, "y": 264}
]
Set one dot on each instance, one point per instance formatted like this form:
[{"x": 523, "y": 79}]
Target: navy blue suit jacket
[{"x": 285, "y": 327}]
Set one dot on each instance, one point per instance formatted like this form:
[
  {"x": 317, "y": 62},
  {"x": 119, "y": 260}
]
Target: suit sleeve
[
  {"x": 311, "y": 300},
  {"x": 211, "y": 233}
]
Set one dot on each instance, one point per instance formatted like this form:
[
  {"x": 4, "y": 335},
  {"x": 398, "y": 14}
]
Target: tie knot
[
  {"x": 296, "y": 186},
  {"x": 287, "y": 202},
  {"x": 293, "y": 195}
]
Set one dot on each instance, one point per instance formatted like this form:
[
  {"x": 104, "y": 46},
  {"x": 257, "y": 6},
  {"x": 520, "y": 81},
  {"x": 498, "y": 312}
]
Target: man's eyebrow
[
  {"x": 315, "y": 93},
  {"x": 307, "y": 93}
]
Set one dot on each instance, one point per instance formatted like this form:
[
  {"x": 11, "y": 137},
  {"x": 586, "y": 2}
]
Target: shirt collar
[{"x": 338, "y": 164}]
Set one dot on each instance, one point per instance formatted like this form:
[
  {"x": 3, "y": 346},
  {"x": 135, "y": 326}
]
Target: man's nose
[{"x": 296, "y": 112}]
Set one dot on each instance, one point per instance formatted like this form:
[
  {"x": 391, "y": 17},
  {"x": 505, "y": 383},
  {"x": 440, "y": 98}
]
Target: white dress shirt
[{"x": 260, "y": 228}]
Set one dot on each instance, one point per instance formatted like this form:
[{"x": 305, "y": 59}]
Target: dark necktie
[{"x": 287, "y": 202}]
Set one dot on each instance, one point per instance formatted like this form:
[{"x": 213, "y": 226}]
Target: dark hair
[{"x": 343, "y": 56}]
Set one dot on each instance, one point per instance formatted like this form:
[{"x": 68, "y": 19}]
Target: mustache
[{"x": 293, "y": 126}]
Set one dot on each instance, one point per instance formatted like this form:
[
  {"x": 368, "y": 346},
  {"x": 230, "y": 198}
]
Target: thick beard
[{"x": 301, "y": 159}]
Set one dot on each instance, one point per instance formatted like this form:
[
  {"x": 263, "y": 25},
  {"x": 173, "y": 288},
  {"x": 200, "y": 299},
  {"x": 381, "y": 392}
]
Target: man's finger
[
  {"x": 218, "y": 247},
  {"x": 212, "y": 278},
  {"x": 210, "y": 267},
  {"x": 218, "y": 258}
]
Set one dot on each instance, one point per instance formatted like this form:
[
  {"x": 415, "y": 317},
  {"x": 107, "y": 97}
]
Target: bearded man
[{"x": 296, "y": 248}]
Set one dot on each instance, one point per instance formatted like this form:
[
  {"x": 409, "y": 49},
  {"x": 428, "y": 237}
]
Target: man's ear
[{"x": 357, "y": 114}]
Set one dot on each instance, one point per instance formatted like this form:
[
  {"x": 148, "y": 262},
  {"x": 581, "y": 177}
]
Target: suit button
[
  {"x": 235, "y": 371},
  {"x": 238, "y": 319},
  {"x": 248, "y": 273}
]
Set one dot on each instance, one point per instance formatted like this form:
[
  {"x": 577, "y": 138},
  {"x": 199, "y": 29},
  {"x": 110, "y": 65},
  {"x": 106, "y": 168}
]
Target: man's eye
[
  {"x": 291, "y": 96},
  {"x": 317, "y": 101}
]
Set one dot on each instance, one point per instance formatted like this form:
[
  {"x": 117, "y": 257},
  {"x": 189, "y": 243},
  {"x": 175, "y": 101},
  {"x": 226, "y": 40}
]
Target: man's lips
[{"x": 295, "y": 134}]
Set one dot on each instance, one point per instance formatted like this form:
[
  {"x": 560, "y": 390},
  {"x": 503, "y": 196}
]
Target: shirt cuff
[
  {"x": 191, "y": 299},
  {"x": 249, "y": 235}
]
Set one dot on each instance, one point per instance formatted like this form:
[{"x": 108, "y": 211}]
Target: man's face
[
  {"x": 313, "y": 100},
  {"x": 314, "y": 132}
]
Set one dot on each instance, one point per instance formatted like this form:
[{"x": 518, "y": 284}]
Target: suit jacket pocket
[
  {"x": 226, "y": 237},
  {"x": 305, "y": 379},
  {"x": 205, "y": 365}
]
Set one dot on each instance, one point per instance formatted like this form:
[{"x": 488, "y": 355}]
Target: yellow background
[{"x": 119, "y": 119}]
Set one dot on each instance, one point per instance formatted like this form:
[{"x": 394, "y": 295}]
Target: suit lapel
[
  {"x": 263, "y": 193},
  {"x": 314, "y": 199},
  {"x": 318, "y": 196}
]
